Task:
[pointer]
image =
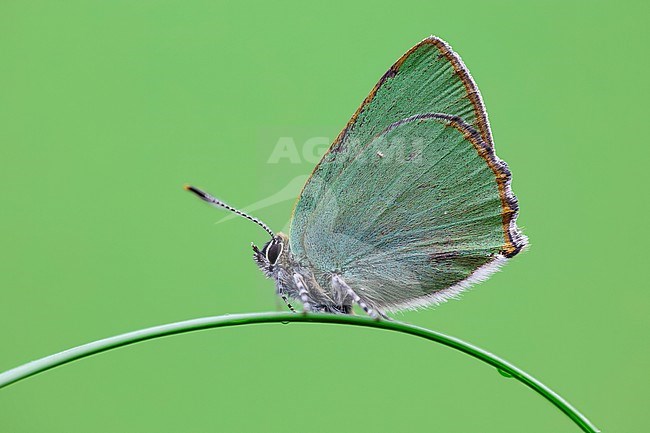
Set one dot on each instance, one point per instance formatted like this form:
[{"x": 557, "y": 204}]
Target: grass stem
[{"x": 504, "y": 367}]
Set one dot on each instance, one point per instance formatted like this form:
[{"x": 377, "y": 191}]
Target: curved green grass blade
[{"x": 504, "y": 367}]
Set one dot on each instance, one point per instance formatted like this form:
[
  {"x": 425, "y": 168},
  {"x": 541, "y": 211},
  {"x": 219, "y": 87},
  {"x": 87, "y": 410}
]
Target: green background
[{"x": 108, "y": 108}]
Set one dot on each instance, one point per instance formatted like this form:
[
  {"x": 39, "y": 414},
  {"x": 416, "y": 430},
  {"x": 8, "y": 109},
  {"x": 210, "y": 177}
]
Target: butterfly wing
[{"x": 410, "y": 205}]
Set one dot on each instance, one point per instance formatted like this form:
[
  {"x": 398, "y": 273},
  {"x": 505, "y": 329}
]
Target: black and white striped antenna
[{"x": 218, "y": 203}]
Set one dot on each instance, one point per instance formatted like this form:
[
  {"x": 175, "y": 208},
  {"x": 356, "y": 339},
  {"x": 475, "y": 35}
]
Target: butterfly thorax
[{"x": 296, "y": 280}]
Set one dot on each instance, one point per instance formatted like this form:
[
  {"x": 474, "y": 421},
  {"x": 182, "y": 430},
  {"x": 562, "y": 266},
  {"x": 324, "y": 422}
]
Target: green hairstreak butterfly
[{"x": 408, "y": 207}]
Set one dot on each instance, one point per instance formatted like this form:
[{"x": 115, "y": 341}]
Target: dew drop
[
  {"x": 285, "y": 322},
  {"x": 504, "y": 373}
]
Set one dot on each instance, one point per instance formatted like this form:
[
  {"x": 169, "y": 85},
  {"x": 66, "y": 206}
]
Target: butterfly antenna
[{"x": 218, "y": 203}]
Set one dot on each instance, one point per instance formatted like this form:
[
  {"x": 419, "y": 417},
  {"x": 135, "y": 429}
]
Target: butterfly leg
[
  {"x": 286, "y": 301},
  {"x": 302, "y": 292},
  {"x": 339, "y": 284}
]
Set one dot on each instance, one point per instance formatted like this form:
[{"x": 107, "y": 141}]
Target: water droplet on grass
[{"x": 504, "y": 373}]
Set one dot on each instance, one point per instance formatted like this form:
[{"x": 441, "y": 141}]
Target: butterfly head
[{"x": 272, "y": 255}]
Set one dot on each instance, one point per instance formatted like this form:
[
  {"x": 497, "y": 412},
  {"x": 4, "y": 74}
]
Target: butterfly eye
[{"x": 273, "y": 252}]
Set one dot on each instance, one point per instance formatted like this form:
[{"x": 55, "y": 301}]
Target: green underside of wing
[
  {"x": 414, "y": 211},
  {"x": 425, "y": 82}
]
